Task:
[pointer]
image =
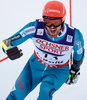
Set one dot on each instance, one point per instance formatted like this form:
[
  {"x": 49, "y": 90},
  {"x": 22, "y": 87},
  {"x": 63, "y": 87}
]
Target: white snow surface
[{"x": 14, "y": 14}]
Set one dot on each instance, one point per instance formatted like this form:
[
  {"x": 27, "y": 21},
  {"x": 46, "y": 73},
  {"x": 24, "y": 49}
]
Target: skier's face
[{"x": 53, "y": 27}]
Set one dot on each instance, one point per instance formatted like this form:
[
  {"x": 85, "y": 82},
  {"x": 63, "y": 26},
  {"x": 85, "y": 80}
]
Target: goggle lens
[{"x": 54, "y": 23}]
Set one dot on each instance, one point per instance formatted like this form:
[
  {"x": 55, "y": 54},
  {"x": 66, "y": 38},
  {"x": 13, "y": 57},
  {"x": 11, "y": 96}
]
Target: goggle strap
[{"x": 51, "y": 18}]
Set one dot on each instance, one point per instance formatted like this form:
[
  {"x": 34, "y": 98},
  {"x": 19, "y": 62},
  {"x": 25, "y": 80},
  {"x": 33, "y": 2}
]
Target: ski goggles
[{"x": 55, "y": 23}]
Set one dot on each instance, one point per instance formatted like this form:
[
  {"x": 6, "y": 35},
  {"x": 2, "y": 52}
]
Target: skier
[{"x": 54, "y": 42}]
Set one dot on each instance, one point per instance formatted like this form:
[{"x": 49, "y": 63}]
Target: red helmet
[{"x": 54, "y": 10}]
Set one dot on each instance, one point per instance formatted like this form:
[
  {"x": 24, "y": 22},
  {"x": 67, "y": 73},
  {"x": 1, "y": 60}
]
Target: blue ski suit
[{"x": 49, "y": 65}]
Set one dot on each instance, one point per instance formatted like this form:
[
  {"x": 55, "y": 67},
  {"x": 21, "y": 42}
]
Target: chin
[{"x": 53, "y": 36}]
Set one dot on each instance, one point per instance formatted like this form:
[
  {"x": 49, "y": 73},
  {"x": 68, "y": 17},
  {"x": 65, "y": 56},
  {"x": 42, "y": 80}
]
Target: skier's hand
[
  {"x": 13, "y": 52},
  {"x": 73, "y": 77}
]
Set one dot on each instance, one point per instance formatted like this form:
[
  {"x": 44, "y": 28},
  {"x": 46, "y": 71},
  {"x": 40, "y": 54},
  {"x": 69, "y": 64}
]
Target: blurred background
[{"x": 14, "y": 14}]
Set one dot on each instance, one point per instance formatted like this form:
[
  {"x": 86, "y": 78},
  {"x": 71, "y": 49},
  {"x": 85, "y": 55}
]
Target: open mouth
[{"x": 53, "y": 31}]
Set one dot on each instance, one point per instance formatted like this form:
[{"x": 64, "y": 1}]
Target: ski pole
[
  {"x": 3, "y": 59},
  {"x": 70, "y": 5},
  {"x": 70, "y": 12}
]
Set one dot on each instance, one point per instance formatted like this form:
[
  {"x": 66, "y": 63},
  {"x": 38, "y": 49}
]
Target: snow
[{"x": 14, "y": 14}]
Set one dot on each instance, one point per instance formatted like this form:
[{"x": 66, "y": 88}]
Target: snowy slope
[{"x": 13, "y": 16}]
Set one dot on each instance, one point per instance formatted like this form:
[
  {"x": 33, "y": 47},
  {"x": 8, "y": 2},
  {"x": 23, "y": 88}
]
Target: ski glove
[
  {"x": 13, "y": 52},
  {"x": 73, "y": 76}
]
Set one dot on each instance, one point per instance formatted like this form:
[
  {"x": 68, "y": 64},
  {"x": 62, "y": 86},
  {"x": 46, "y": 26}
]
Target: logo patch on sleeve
[
  {"x": 28, "y": 31},
  {"x": 79, "y": 51}
]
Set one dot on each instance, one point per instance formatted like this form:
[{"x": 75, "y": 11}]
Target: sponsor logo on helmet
[
  {"x": 47, "y": 10},
  {"x": 51, "y": 10}
]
